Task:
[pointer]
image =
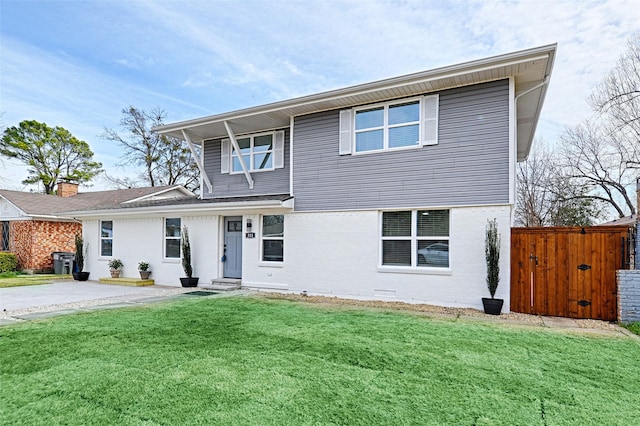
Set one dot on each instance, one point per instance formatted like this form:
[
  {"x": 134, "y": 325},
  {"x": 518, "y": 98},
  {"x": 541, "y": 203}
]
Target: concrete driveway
[{"x": 59, "y": 293}]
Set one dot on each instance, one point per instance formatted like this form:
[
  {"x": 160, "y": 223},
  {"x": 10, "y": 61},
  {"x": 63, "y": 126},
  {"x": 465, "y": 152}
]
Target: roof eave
[
  {"x": 323, "y": 101},
  {"x": 184, "y": 208}
]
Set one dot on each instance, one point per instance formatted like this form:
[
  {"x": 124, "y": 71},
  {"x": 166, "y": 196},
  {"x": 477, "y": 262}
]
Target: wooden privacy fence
[{"x": 567, "y": 272}]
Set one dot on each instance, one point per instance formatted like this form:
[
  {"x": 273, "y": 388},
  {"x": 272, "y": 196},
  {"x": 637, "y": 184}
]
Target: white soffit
[{"x": 528, "y": 67}]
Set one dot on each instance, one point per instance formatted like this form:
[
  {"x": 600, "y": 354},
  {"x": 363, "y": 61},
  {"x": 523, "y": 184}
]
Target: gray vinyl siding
[
  {"x": 235, "y": 185},
  {"x": 468, "y": 166}
]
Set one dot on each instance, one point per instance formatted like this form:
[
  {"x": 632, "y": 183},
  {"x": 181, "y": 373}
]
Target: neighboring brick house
[{"x": 31, "y": 228}]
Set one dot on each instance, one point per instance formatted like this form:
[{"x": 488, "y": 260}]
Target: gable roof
[
  {"x": 45, "y": 205},
  {"x": 529, "y": 68}
]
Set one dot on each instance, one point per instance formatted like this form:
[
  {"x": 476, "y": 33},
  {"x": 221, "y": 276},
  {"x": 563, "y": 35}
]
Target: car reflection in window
[{"x": 436, "y": 254}]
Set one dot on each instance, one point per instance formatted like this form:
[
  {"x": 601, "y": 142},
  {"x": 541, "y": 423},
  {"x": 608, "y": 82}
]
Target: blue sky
[{"x": 77, "y": 64}]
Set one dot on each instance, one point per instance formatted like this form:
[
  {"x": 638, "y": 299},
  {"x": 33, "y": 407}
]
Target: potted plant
[
  {"x": 143, "y": 268},
  {"x": 81, "y": 252},
  {"x": 189, "y": 280},
  {"x": 492, "y": 306},
  {"x": 115, "y": 266}
]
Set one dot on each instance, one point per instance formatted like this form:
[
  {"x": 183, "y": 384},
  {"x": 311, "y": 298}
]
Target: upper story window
[
  {"x": 256, "y": 151},
  {"x": 417, "y": 238},
  {"x": 106, "y": 238},
  {"x": 391, "y": 125},
  {"x": 388, "y": 126},
  {"x": 172, "y": 234},
  {"x": 259, "y": 152}
]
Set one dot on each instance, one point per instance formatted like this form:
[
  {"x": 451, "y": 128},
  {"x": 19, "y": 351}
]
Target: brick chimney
[{"x": 67, "y": 189}]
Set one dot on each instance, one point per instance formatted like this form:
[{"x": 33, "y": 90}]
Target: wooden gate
[{"x": 567, "y": 272}]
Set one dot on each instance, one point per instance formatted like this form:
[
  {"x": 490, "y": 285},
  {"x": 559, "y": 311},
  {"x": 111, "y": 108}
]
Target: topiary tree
[
  {"x": 492, "y": 253},
  {"x": 186, "y": 252}
]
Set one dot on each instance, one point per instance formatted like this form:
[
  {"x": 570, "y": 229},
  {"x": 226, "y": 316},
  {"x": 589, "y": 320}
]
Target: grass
[
  {"x": 634, "y": 327},
  {"x": 273, "y": 362},
  {"x": 12, "y": 279}
]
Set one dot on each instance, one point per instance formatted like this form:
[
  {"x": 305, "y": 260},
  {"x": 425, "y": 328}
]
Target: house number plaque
[{"x": 250, "y": 235}]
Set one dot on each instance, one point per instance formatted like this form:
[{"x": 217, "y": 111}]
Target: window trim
[
  {"x": 262, "y": 239},
  {"x": 165, "y": 238},
  {"x": 105, "y": 238},
  {"x": 427, "y": 126},
  {"x": 414, "y": 238},
  {"x": 386, "y": 126},
  {"x": 250, "y": 166}
]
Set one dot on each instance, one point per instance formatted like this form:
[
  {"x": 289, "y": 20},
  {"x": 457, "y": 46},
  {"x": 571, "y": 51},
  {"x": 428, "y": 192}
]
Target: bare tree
[
  {"x": 533, "y": 206},
  {"x": 602, "y": 154},
  {"x": 617, "y": 100},
  {"x": 593, "y": 157},
  {"x": 546, "y": 196},
  {"x": 165, "y": 160}
]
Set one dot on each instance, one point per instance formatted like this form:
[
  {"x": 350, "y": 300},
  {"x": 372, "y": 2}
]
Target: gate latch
[
  {"x": 584, "y": 303},
  {"x": 584, "y": 267}
]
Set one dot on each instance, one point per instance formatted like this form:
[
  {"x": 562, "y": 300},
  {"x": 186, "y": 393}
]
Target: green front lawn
[
  {"x": 12, "y": 279},
  {"x": 275, "y": 362}
]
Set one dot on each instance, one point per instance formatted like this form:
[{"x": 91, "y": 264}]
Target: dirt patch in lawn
[{"x": 512, "y": 317}]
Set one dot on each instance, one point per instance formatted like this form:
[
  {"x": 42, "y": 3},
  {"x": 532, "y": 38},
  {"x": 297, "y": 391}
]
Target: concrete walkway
[{"x": 63, "y": 292}]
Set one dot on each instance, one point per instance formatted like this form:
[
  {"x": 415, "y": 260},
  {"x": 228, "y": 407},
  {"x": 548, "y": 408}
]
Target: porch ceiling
[{"x": 528, "y": 68}]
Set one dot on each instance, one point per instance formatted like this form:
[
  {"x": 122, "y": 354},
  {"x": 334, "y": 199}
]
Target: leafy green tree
[{"x": 52, "y": 154}]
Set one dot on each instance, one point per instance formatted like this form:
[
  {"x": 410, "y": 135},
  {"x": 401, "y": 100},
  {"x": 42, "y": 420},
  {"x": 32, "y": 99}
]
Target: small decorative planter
[
  {"x": 81, "y": 276},
  {"x": 492, "y": 306},
  {"x": 189, "y": 281},
  {"x": 115, "y": 273},
  {"x": 144, "y": 275}
]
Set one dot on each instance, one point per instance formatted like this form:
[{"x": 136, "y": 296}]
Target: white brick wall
[
  {"x": 337, "y": 253},
  {"x": 142, "y": 239},
  {"x": 328, "y": 253}
]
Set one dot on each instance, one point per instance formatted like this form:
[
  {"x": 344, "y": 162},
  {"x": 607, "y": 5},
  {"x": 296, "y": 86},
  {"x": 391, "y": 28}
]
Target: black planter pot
[
  {"x": 81, "y": 276},
  {"x": 189, "y": 281},
  {"x": 492, "y": 306}
]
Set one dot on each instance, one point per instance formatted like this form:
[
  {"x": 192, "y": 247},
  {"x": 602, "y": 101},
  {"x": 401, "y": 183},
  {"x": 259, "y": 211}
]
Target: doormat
[{"x": 201, "y": 293}]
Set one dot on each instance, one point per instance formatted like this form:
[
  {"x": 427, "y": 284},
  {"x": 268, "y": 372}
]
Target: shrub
[
  {"x": 8, "y": 262},
  {"x": 115, "y": 264}
]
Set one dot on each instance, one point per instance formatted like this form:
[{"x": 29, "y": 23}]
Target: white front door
[{"x": 233, "y": 247}]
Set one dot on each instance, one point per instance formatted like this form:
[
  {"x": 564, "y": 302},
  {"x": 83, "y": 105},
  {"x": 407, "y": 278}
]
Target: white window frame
[
  {"x": 386, "y": 126},
  {"x": 165, "y": 238},
  {"x": 271, "y": 238},
  {"x": 414, "y": 238},
  {"x": 427, "y": 127},
  {"x": 106, "y": 238},
  {"x": 251, "y": 166}
]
